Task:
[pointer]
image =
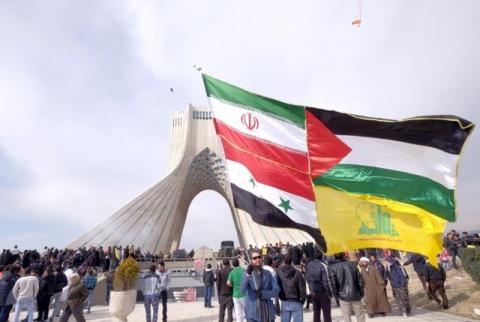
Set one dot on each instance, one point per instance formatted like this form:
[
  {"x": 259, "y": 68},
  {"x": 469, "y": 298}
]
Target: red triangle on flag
[{"x": 325, "y": 149}]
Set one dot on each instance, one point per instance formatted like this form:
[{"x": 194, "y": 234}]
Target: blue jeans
[
  {"x": 89, "y": 300},
  {"x": 292, "y": 309},
  {"x": 149, "y": 302},
  {"x": 56, "y": 305},
  {"x": 5, "y": 312},
  {"x": 208, "y": 296},
  {"x": 22, "y": 302}
]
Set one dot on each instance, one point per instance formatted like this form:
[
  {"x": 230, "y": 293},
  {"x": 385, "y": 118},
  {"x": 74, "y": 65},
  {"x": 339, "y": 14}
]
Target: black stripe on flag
[
  {"x": 266, "y": 214},
  {"x": 445, "y": 132}
]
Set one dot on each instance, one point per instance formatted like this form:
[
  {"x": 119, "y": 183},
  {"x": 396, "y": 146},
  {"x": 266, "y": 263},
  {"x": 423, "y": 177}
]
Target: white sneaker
[{"x": 405, "y": 315}]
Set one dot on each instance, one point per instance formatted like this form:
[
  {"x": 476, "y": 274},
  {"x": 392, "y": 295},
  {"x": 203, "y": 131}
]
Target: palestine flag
[
  {"x": 395, "y": 188},
  {"x": 265, "y": 147}
]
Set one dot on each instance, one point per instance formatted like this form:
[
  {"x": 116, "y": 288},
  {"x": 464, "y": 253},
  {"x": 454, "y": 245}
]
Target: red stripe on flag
[
  {"x": 325, "y": 149},
  {"x": 276, "y": 153},
  {"x": 271, "y": 173}
]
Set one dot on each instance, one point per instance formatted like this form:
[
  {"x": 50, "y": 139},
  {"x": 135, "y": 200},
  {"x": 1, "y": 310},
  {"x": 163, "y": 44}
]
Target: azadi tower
[{"x": 155, "y": 219}]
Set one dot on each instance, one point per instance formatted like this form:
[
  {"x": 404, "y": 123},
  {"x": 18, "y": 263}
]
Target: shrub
[
  {"x": 471, "y": 262},
  {"x": 126, "y": 275}
]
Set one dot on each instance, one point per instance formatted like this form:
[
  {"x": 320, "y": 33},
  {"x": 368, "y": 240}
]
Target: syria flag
[{"x": 265, "y": 146}]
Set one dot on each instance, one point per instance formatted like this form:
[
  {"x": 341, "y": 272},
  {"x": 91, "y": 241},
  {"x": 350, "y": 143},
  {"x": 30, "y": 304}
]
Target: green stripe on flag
[
  {"x": 394, "y": 185},
  {"x": 226, "y": 92}
]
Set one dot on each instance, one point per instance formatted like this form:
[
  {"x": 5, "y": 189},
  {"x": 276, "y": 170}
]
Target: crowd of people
[
  {"x": 271, "y": 287},
  {"x": 279, "y": 279}
]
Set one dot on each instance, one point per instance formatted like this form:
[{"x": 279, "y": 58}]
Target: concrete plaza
[{"x": 195, "y": 312}]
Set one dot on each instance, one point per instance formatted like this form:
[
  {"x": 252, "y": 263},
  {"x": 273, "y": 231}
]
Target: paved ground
[{"x": 195, "y": 312}]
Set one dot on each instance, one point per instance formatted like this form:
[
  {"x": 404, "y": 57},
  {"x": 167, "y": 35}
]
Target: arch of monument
[{"x": 154, "y": 220}]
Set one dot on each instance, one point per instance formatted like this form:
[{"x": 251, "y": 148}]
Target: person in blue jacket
[{"x": 259, "y": 287}]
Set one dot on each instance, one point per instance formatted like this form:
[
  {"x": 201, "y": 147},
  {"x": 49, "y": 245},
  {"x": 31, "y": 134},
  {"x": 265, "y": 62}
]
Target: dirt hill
[{"x": 462, "y": 292}]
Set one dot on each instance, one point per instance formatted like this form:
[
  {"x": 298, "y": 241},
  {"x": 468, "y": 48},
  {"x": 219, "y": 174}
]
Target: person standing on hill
[
  {"x": 419, "y": 262},
  {"x": 208, "y": 280},
  {"x": 398, "y": 277},
  {"x": 435, "y": 278},
  {"x": 375, "y": 297},
  {"x": 224, "y": 292}
]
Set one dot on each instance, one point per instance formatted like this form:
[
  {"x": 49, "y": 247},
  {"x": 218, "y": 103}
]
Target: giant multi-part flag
[
  {"x": 265, "y": 147},
  {"x": 395, "y": 188},
  {"x": 365, "y": 182}
]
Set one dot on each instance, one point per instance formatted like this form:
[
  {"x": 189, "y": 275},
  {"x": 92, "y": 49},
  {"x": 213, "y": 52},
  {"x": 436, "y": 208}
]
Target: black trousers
[
  {"x": 438, "y": 286},
  {"x": 77, "y": 312},
  {"x": 42, "y": 307},
  {"x": 322, "y": 302},
  {"x": 226, "y": 302},
  {"x": 164, "y": 298}
]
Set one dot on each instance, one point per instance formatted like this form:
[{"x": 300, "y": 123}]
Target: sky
[{"x": 85, "y": 94}]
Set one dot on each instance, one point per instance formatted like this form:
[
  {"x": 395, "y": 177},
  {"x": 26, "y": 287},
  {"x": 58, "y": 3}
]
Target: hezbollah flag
[
  {"x": 265, "y": 147},
  {"x": 394, "y": 189}
]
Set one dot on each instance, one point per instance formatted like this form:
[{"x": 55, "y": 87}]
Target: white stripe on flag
[
  {"x": 269, "y": 128},
  {"x": 303, "y": 211},
  {"x": 400, "y": 156}
]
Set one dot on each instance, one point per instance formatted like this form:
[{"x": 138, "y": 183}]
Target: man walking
[
  {"x": 151, "y": 293},
  {"x": 259, "y": 287},
  {"x": 25, "y": 291},
  {"x": 235, "y": 281},
  {"x": 208, "y": 280},
  {"x": 292, "y": 291},
  {"x": 90, "y": 282},
  {"x": 224, "y": 292},
  {"x": 76, "y": 297},
  {"x": 318, "y": 279},
  {"x": 60, "y": 281},
  {"x": 419, "y": 262},
  {"x": 435, "y": 278},
  {"x": 375, "y": 295},
  {"x": 164, "y": 286},
  {"x": 399, "y": 281},
  {"x": 347, "y": 286}
]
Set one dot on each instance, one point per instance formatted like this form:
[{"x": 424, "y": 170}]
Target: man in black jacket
[
  {"x": 293, "y": 291},
  {"x": 419, "y": 262},
  {"x": 6, "y": 297},
  {"x": 435, "y": 278},
  {"x": 208, "y": 280},
  {"x": 347, "y": 286},
  {"x": 224, "y": 292},
  {"x": 60, "y": 282},
  {"x": 318, "y": 279}
]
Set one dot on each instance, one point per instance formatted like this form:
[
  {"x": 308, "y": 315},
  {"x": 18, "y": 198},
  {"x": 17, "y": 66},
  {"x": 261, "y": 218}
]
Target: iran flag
[{"x": 265, "y": 146}]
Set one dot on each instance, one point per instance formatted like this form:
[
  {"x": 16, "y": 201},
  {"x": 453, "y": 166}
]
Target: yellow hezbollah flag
[
  {"x": 384, "y": 183},
  {"x": 349, "y": 222}
]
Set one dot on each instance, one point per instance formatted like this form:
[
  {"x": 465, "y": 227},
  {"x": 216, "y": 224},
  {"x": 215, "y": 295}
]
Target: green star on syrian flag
[
  {"x": 252, "y": 181},
  {"x": 285, "y": 204}
]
